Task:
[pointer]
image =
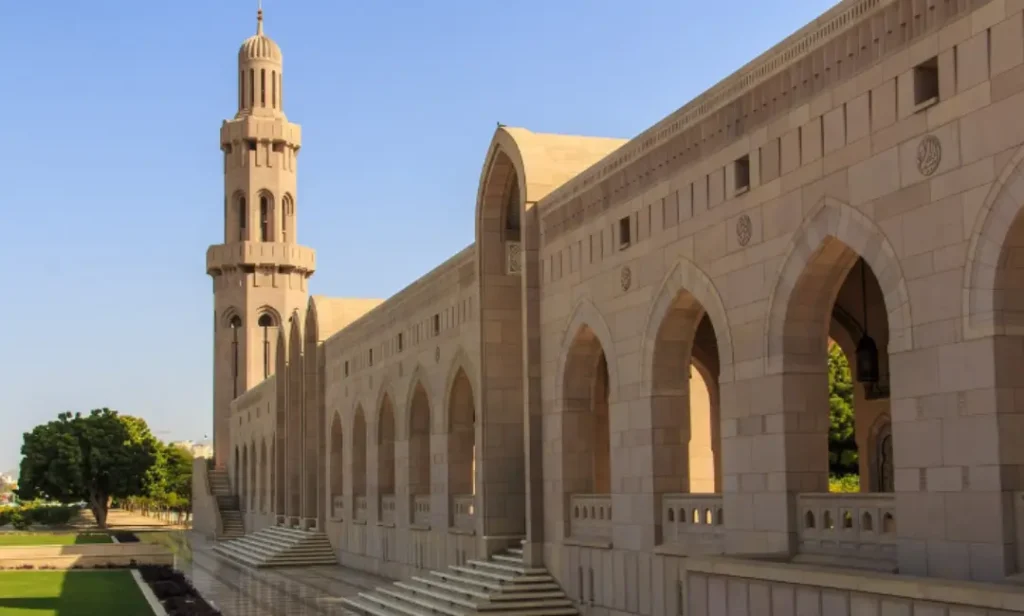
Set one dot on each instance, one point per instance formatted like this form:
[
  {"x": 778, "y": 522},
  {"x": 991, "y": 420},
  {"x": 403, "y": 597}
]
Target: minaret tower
[{"x": 260, "y": 271}]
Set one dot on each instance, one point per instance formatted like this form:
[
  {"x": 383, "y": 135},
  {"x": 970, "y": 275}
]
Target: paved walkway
[{"x": 237, "y": 590}]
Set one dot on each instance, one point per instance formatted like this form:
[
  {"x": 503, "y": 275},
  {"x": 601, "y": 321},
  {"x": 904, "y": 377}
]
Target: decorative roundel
[
  {"x": 929, "y": 155},
  {"x": 626, "y": 278},
  {"x": 744, "y": 229}
]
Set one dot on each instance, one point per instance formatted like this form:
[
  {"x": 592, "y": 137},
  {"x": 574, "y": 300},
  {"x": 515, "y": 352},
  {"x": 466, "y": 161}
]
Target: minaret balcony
[{"x": 277, "y": 254}]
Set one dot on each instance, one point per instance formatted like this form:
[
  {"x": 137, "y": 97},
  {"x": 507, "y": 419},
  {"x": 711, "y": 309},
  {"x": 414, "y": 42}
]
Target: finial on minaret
[{"x": 259, "y": 18}]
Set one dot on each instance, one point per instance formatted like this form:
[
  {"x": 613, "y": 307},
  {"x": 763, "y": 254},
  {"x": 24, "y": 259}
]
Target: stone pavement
[{"x": 237, "y": 590}]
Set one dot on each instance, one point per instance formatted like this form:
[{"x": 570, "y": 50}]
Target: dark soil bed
[
  {"x": 124, "y": 537},
  {"x": 176, "y": 594}
]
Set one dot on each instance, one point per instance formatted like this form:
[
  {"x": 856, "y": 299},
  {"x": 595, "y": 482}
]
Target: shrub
[
  {"x": 5, "y": 515},
  {"x": 844, "y": 484}
]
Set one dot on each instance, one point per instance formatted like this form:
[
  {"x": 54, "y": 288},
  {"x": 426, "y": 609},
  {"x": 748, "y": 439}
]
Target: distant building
[{"x": 198, "y": 450}]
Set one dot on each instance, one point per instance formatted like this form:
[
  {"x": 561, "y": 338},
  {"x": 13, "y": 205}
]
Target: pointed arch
[
  {"x": 460, "y": 362},
  {"x": 586, "y": 315},
  {"x": 337, "y": 467},
  {"x": 295, "y": 417},
  {"x": 983, "y": 313},
  {"x": 836, "y": 220},
  {"x": 386, "y": 425},
  {"x": 232, "y": 317},
  {"x": 419, "y": 378},
  {"x": 281, "y": 421},
  {"x": 686, "y": 277}
]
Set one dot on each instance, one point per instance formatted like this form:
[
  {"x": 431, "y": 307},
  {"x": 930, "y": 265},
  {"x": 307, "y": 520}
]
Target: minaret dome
[{"x": 260, "y": 83}]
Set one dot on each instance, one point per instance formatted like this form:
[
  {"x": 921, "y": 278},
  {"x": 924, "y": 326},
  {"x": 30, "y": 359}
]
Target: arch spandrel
[
  {"x": 834, "y": 219},
  {"x": 685, "y": 276}
]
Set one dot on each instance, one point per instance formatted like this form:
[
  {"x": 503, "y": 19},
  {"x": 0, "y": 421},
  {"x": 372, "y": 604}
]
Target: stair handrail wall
[{"x": 205, "y": 509}]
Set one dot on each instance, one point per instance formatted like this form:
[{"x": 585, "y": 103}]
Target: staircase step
[
  {"x": 394, "y": 606},
  {"x": 517, "y": 569},
  {"x": 441, "y": 595},
  {"x": 454, "y": 576},
  {"x": 505, "y": 558},
  {"x": 365, "y": 607},
  {"x": 431, "y": 605}
]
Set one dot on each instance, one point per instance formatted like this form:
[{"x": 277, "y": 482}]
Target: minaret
[{"x": 259, "y": 271}]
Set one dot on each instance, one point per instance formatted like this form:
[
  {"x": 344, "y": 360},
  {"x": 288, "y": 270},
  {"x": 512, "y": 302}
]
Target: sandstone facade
[{"x": 627, "y": 367}]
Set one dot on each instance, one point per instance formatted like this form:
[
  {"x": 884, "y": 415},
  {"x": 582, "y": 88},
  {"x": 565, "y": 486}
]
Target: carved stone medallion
[
  {"x": 929, "y": 155},
  {"x": 626, "y": 278},
  {"x": 744, "y": 230}
]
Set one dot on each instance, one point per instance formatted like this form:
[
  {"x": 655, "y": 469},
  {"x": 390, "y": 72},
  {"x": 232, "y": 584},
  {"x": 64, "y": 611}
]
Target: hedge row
[{"x": 37, "y": 515}]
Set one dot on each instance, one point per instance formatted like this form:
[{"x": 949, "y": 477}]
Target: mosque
[{"x": 615, "y": 400}]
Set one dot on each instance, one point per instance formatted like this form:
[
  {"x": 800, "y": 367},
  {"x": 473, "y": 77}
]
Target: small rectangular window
[
  {"x": 926, "y": 82},
  {"x": 252, "y": 144},
  {"x": 346, "y": 368},
  {"x": 741, "y": 171},
  {"x": 400, "y": 342},
  {"x": 437, "y": 324},
  {"x": 371, "y": 357},
  {"x": 624, "y": 233}
]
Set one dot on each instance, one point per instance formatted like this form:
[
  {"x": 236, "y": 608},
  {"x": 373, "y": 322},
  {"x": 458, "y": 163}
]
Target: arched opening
[
  {"x": 295, "y": 423},
  {"x": 243, "y": 496},
  {"x": 253, "y": 486},
  {"x": 264, "y": 487},
  {"x": 314, "y": 417},
  {"x": 266, "y": 323},
  {"x": 288, "y": 212},
  {"x": 265, "y": 226},
  {"x": 835, "y": 335},
  {"x": 241, "y": 90},
  {"x": 500, "y": 274},
  {"x": 586, "y": 437},
  {"x": 359, "y": 464},
  {"x": 462, "y": 451},
  {"x": 242, "y": 211},
  {"x": 280, "y": 448},
  {"x": 263, "y": 87},
  {"x": 386, "y": 459},
  {"x": 684, "y": 399},
  {"x": 273, "y": 89},
  {"x": 252, "y": 88},
  {"x": 337, "y": 466},
  {"x": 236, "y": 324},
  {"x": 419, "y": 455}
]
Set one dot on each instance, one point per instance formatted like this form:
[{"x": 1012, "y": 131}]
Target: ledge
[
  {"x": 336, "y": 520},
  {"x": 386, "y": 524},
  {"x": 359, "y": 522},
  {"x": 419, "y": 527},
  {"x": 460, "y": 531},
  {"x": 976, "y": 594},
  {"x": 598, "y": 544}
]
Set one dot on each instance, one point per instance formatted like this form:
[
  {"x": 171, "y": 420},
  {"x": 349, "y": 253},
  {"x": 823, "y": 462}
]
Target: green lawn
[
  {"x": 26, "y": 539},
  {"x": 71, "y": 593}
]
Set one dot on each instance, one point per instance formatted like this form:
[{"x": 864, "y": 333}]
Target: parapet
[{"x": 260, "y": 254}]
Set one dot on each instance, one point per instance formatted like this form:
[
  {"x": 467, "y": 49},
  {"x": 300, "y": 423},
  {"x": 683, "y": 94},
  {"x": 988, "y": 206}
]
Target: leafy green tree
[
  {"x": 90, "y": 458},
  {"x": 842, "y": 444}
]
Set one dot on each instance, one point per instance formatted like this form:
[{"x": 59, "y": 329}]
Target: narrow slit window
[
  {"x": 241, "y": 89},
  {"x": 242, "y": 216},
  {"x": 400, "y": 341},
  {"x": 624, "y": 232},
  {"x": 273, "y": 89},
  {"x": 437, "y": 324},
  {"x": 926, "y": 82},
  {"x": 264, "y": 219},
  {"x": 741, "y": 171},
  {"x": 252, "y": 87},
  {"x": 263, "y": 87}
]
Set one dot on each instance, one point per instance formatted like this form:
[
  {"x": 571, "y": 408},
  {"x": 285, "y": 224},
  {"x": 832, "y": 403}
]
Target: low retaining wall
[{"x": 84, "y": 556}]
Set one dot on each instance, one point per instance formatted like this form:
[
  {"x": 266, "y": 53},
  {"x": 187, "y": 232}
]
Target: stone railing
[
  {"x": 387, "y": 509},
  {"x": 590, "y": 516},
  {"x": 692, "y": 520},
  {"x": 338, "y": 507},
  {"x": 848, "y": 525},
  {"x": 464, "y": 511},
  {"x": 360, "y": 512},
  {"x": 420, "y": 507}
]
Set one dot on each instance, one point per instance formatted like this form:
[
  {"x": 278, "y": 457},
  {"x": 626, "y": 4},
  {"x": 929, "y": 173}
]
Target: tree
[
  {"x": 170, "y": 478},
  {"x": 90, "y": 458},
  {"x": 842, "y": 444}
]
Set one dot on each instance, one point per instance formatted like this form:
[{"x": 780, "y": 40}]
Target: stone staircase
[
  {"x": 500, "y": 585},
  {"x": 276, "y": 546},
  {"x": 227, "y": 503}
]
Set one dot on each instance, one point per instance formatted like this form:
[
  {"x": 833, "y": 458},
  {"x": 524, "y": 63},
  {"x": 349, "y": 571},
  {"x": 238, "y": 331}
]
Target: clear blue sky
[{"x": 112, "y": 174}]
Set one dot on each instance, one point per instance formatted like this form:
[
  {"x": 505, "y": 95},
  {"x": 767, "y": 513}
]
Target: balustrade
[
  {"x": 464, "y": 512},
  {"x": 360, "y": 513},
  {"x": 590, "y": 516},
  {"x": 387, "y": 509},
  {"x": 848, "y": 525},
  {"x": 421, "y": 510},
  {"x": 692, "y": 520}
]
